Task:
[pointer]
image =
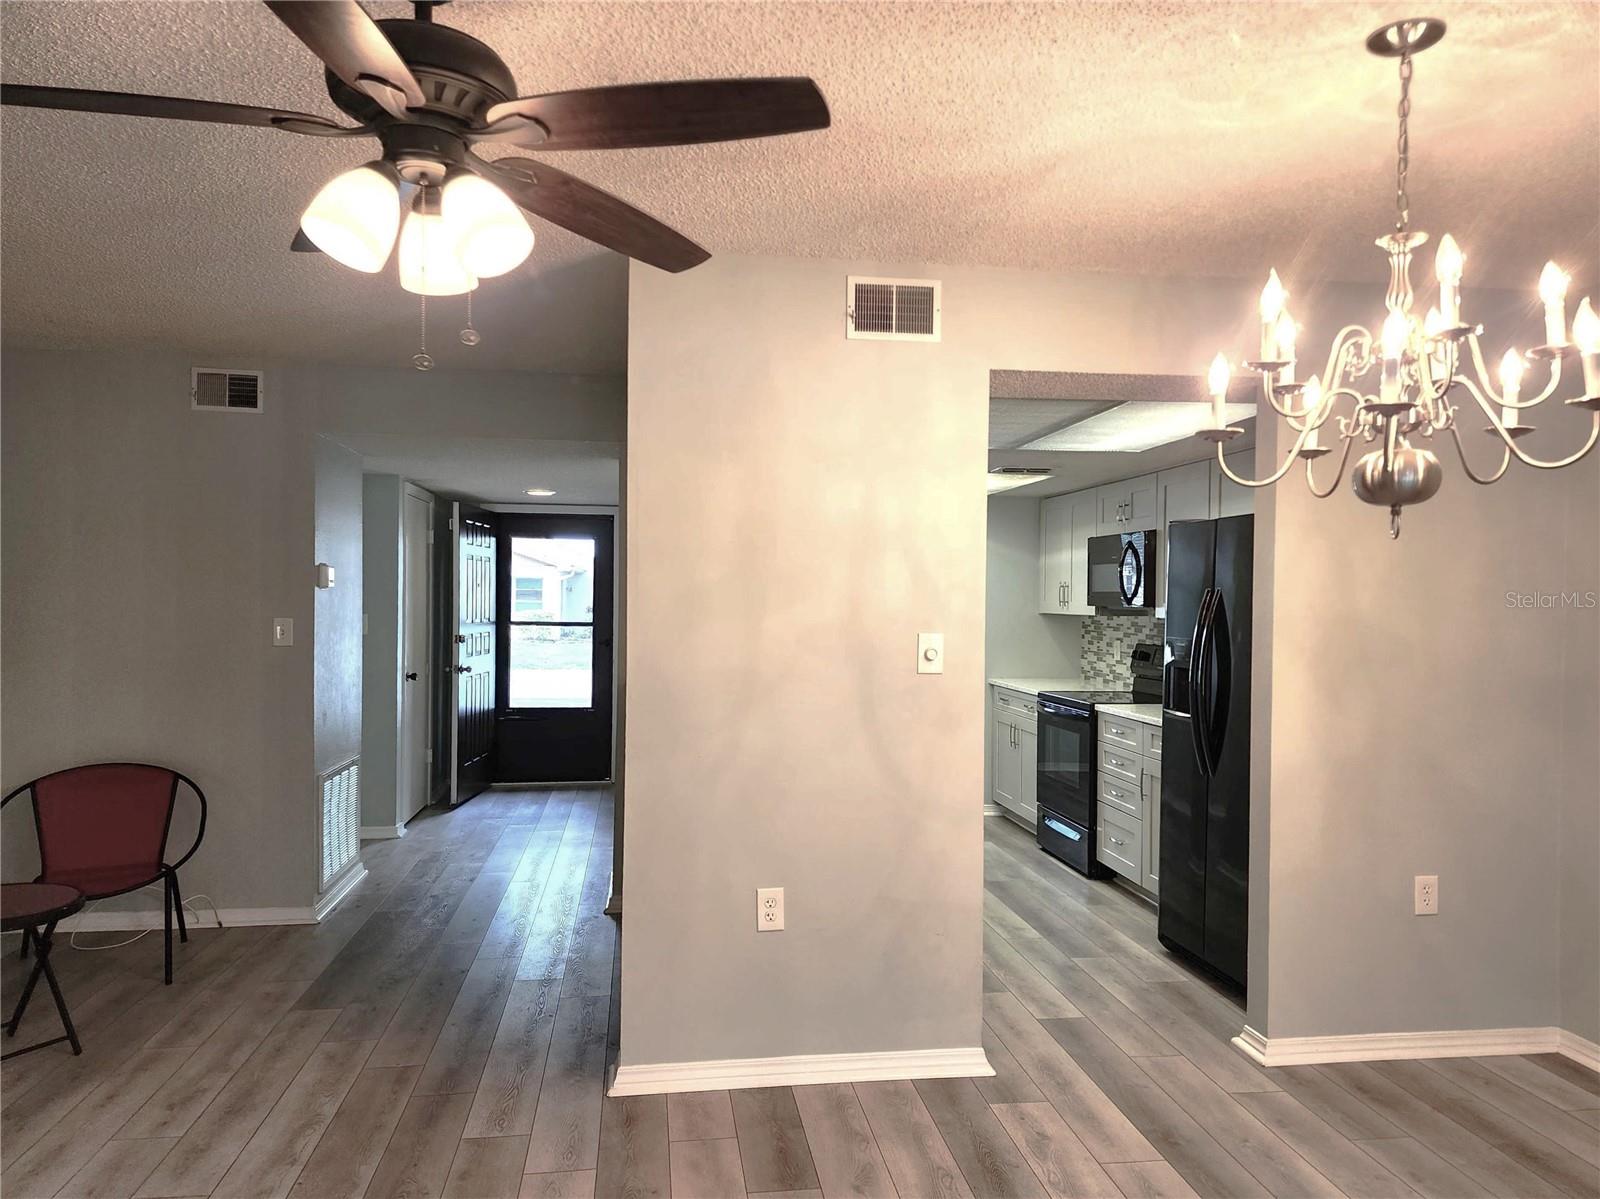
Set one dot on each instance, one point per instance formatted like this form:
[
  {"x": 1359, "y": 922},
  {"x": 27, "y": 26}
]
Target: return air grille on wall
[
  {"x": 892, "y": 309},
  {"x": 341, "y": 819},
  {"x": 215, "y": 389}
]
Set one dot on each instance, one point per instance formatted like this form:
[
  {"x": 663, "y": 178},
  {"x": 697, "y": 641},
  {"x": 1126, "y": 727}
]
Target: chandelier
[{"x": 1419, "y": 363}]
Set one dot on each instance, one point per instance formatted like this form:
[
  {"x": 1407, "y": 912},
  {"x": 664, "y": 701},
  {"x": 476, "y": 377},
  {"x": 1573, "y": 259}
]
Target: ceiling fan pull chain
[
  {"x": 469, "y": 335},
  {"x": 421, "y": 359}
]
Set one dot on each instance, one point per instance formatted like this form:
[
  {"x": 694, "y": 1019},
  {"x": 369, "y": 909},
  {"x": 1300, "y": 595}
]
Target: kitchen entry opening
[{"x": 554, "y": 678}]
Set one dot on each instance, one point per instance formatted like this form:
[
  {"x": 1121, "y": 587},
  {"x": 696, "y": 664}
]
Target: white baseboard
[
  {"x": 1403, "y": 1046},
  {"x": 382, "y": 832},
  {"x": 1580, "y": 1049},
  {"x": 673, "y": 1077},
  {"x": 342, "y": 886}
]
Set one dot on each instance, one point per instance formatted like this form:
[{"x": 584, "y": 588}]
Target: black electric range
[{"x": 1067, "y": 758}]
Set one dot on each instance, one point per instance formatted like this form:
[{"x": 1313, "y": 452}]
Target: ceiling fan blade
[
  {"x": 589, "y": 212},
  {"x": 660, "y": 114},
  {"x": 169, "y": 108},
  {"x": 340, "y": 33}
]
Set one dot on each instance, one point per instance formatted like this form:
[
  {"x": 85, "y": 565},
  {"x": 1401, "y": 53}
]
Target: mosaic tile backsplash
[{"x": 1108, "y": 641}]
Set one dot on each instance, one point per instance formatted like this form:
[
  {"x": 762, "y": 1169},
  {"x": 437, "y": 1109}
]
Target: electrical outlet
[
  {"x": 282, "y": 631},
  {"x": 769, "y": 909},
  {"x": 1426, "y": 897}
]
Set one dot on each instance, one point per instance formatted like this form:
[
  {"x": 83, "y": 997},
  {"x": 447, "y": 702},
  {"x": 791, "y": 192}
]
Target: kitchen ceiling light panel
[{"x": 1134, "y": 427}]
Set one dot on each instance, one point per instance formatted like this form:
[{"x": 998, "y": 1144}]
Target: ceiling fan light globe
[
  {"x": 430, "y": 262},
  {"x": 491, "y": 233},
  {"x": 354, "y": 219}
]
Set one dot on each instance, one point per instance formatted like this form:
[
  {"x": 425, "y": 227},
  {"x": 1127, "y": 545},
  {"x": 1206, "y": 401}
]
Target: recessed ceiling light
[
  {"x": 539, "y": 491},
  {"x": 1139, "y": 425}
]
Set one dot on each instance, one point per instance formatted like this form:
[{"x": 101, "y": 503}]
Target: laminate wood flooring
[{"x": 448, "y": 1029}]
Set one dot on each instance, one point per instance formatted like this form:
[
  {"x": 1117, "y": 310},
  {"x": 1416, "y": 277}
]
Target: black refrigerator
[{"x": 1205, "y": 751}]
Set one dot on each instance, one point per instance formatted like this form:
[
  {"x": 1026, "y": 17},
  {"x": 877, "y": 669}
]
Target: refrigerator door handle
[
  {"x": 1219, "y": 650},
  {"x": 1197, "y": 684}
]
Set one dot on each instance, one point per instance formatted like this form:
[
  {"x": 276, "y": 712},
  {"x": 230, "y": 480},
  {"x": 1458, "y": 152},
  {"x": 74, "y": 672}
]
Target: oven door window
[{"x": 1066, "y": 747}]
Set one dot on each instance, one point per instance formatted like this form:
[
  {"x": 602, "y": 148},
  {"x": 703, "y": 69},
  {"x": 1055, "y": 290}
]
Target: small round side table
[{"x": 33, "y": 907}]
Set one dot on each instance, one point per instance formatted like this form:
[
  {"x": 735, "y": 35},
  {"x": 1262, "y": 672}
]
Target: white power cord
[{"x": 73, "y": 940}]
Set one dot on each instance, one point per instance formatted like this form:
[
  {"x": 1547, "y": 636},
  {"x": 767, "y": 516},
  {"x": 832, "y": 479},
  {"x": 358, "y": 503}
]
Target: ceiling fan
[{"x": 430, "y": 94}]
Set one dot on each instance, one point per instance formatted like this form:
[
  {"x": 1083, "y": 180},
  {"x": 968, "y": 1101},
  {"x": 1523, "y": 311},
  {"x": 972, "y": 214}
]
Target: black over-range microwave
[{"x": 1122, "y": 570}]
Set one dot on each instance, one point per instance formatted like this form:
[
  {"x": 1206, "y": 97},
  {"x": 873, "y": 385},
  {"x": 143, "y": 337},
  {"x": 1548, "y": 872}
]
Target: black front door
[{"x": 555, "y": 604}]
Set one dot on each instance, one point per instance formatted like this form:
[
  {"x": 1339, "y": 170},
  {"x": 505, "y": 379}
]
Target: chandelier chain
[{"x": 1402, "y": 201}]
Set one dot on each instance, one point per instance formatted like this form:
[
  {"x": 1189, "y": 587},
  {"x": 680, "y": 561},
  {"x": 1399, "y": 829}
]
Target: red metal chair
[{"x": 103, "y": 829}]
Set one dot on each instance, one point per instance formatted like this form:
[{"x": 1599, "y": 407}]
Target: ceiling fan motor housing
[{"x": 459, "y": 75}]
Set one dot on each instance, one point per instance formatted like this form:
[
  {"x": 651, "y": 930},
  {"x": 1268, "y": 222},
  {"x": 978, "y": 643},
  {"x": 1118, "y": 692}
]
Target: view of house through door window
[{"x": 551, "y": 663}]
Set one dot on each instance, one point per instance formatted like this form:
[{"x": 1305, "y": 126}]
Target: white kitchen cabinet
[
  {"x": 1185, "y": 494},
  {"x": 1152, "y": 825},
  {"x": 1028, "y": 752},
  {"x": 1055, "y": 544},
  {"x": 1066, "y": 522},
  {"x": 1233, "y": 500},
  {"x": 1127, "y": 506},
  {"x": 1005, "y": 769}
]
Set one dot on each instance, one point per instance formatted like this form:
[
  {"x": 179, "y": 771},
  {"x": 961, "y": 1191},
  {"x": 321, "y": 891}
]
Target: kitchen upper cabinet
[
  {"x": 1127, "y": 506},
  {"x": 1233, "y": 500},
  {"x": 1185, "y": 494},
  {"x": 1066, "y": 522}
]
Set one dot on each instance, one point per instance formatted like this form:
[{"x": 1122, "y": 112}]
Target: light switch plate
[
  {"x": 930, "y": 653},
  {"x": 282, "y": 630}
]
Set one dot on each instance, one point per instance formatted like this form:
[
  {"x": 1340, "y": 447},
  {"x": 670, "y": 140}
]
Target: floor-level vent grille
[
  {"x": 216, "y": 389},
  {"x": 341, "y": 818},
  {"x": 892, "y": 309}
]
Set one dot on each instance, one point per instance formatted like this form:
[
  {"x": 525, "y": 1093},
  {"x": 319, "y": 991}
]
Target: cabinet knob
[{"x": 411, "y": 676}]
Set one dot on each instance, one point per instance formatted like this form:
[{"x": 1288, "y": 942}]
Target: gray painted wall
[
  {"x": 337, "y": 632},
  {"x": 1408, "y": 720},
  {"x": 1580, "y": 758},
  {"x": 147, "y": 549},
  {"x": 380, "y": 655}
]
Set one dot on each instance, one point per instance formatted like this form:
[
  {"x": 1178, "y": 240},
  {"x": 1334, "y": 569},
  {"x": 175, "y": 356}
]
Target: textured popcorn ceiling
[{"x": 1163, "y": 139}]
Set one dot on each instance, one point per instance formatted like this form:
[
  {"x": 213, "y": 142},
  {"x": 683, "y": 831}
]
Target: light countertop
[
  {"x": 1143, "y": 713},
  {"x": 1034, "y": 686}
]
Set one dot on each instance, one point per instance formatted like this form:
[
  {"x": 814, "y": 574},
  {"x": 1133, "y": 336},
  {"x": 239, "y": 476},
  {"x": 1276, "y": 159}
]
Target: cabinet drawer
[
  {"x": 1120, "y": 732},
  {"x": 1123, "y": 796},
  {"x": 1150, "y": 741},
  {"x": 1018, "y": 702},
  {"x": 1121, "y": 843},
  {"x": 1120, "y": 763}
]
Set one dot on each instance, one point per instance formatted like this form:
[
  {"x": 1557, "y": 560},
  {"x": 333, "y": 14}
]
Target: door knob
[
  {"x": 461, "y": 638},
  {"x": 463, "y": 670},
  {"x": 411, "y": 676}
]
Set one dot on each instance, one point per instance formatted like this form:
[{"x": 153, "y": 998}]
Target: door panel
[
  {"x": 1181, "y": 842},
  {"x": 1007, "y": 774},
  {"x": 1228, "y": 845},
  {"x": 1083, "y": 527},
  {"x": 416, "y": 686},
  {"x": 474, "y": 651},
  {"x": 1055, "y": 541}
]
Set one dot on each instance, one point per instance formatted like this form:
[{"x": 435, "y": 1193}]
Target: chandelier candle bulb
[
  {"x": 1553, "y": 292},
  {"x": 1396, "y": 331},
  {"x": 1217, "y": 378},
  {"x": 1510, "y": 387},
  {"x": 1313, "y": 401},
  {"x": 1447, "y": 262},
  {"x": 1586, "y": 335},
  {"x": 1283, "y": 337},
  {"x": 1272, "y": 301}
]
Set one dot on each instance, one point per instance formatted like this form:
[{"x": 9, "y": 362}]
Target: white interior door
[{"x": 416, "y": 686}]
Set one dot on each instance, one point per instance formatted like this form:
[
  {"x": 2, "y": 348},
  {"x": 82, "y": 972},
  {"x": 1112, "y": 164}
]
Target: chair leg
[
  {"x": 177, "y": 908},
  {"x": 169, "y": 930},
  {"x": 33, "y": 980}
]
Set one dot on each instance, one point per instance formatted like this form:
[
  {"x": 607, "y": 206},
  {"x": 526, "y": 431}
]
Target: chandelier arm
[
  {"x": 1461, "y": 452},
  {"x": 1488, "y": 387},
  {"x": 1311, "y": 482},
  {"x": 1269, "y": 387},
  {"x": 1294, "y": 453},
  {"x": 1558, "y": 463},
  {"x": 1344, "y": 342}
]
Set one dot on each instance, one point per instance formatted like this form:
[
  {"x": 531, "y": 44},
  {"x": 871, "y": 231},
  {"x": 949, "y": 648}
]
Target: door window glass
[{"x": 552, "y": 622}]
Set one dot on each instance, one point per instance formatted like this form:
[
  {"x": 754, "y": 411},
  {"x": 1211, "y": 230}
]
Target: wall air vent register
[
  {"x": 891, "y": 309},
  {"x": 220, "y": 389}
]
